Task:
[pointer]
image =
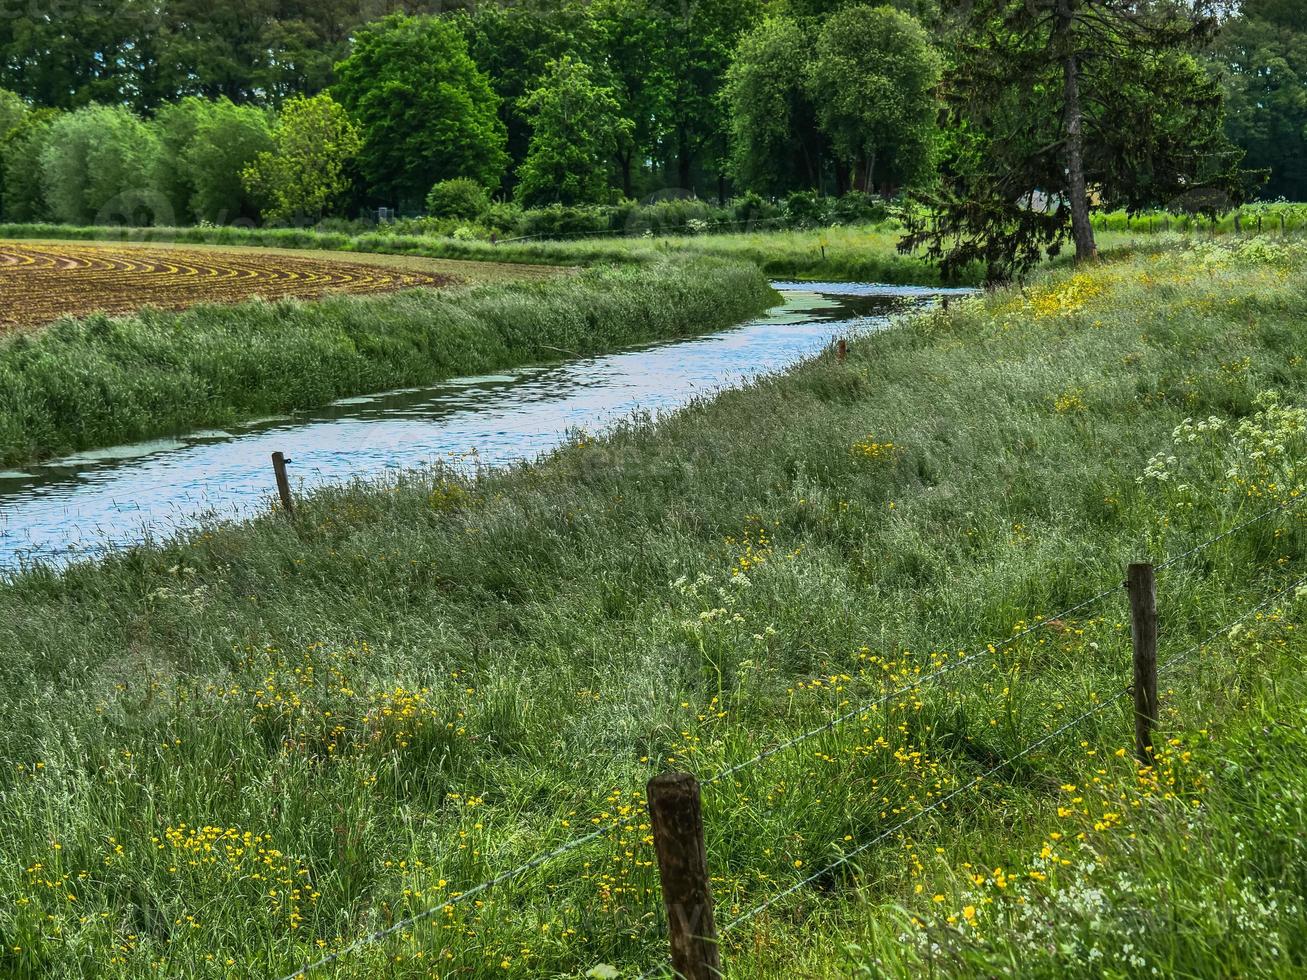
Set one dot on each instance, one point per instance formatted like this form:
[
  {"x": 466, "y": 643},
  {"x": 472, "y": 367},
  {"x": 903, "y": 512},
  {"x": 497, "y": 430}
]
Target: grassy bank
[
  {"x": 102, "y": 380},
  {"x": 241, "y": 751},
  {"x": 862, "y": 254}
]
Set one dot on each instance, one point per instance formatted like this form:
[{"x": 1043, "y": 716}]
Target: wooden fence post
[
  {"x": 1141, "y": 583},
  {"x": 279, "y": 462},
  {"x": 842, "y": 349},
  {"x": 677, "y": 820}
]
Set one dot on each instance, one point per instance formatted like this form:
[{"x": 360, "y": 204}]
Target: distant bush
[
  {"x": 806, "y": 209},
  {"x": 857, "y": 208},
  {"x": 461, "y": 198}
]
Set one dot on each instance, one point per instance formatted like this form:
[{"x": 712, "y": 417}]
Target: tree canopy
[
  {"x": 1058, "y": 107},
  {"x": 92, "y": 161},
  {"x": 776, "y": 145},
  {"x": 1264, "y": 55},
  {"x": 576, "y": 129},
  {"x": 717, "y": 97},
  {"x": 872, "y": 78},
  {"x": 315, "y": 144},
  {"x": 424, "y": 109}
]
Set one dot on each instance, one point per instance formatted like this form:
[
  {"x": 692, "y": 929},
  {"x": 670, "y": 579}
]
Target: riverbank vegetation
[
  {"x": 105, "y": 380},
  {"x": 242, "y": 750}
]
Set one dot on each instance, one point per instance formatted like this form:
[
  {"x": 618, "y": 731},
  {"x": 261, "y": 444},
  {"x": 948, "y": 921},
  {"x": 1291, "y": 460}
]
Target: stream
[{"x": 81, "y": 506}]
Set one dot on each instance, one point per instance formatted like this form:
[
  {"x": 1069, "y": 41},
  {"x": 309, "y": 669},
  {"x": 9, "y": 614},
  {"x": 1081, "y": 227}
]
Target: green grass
[
  {"x": 853, "y": 254},
  {"x": 105, "y": 380},
  {"x": 425, "y": 681}
]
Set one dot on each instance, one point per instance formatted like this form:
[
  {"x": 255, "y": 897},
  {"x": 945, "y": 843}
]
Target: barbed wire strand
[
  {"x": 938, "y": 804},
  {"x": 486, "y": 885},
  {"x": 1038, "y": 743},
  {"x": 581, "y": 841},
  {"x": 1174, "y": 661},
  {"x": 620, "y": 233},
  {"x": 1286, "y": 506},
  {"x": 584, "y": 839},
  {"x": 989, "y": 650}
]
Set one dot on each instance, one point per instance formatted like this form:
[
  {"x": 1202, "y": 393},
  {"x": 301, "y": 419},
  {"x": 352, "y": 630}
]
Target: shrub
[
  {"x": 806, "y": 209},
  {"x": 461, "y": 197}
]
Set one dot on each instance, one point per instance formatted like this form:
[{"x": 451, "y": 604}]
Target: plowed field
[{"x": 40, "y": 282}]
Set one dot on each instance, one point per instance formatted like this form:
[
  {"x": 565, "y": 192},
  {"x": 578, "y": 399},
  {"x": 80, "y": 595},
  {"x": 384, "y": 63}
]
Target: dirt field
[{"x": 42, "y": 281}]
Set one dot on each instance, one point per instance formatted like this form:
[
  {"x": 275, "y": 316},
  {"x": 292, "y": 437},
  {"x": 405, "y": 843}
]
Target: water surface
[{"x": 84, "y": 504}]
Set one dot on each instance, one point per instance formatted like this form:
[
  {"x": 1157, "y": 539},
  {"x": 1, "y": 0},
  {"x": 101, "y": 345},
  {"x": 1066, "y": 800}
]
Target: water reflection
[{"x": 84, "y": 504}]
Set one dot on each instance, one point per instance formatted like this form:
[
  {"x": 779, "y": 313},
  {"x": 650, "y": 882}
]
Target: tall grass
[
  {"x": 103, "y": 380},
  {"x": 423, "y": 681}
]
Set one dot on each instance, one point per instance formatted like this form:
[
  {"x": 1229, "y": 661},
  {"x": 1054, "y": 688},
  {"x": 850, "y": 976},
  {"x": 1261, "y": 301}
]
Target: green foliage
[
  {"x": 581, "y": 625},
  {"x": 105, "y": 381},
  {"x": 458, "y": 198},
  {"x": 576, "y": 129},
  {"x": 632, "y": 41},
  {"x": 1264, "y": 54},
  {"x": 1149, "y": 129},
  {"x": 872, "y": 79},
  {"x": 228, "y": 138},
  {"x": 306, "y": 172},
  {"x": 776, "y": 146},
  {"x": 514, "y": 44},
  {"x": 20, "y": 155},
  {"x": 425, "y": 111},
  {"x": 700, "y": 39},
  {"x": 96, "y": 164},
  {"x": 13, "y": 110},
  {"x": 176, "y": 125}
]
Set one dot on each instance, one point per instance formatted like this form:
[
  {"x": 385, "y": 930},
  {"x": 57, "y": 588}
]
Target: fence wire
[
  {"x": 458, "y": 899},
  {"x": 976, "y": 781},
  {"x": 989, "y": 650},
  {"x": 1285, "y": 507}
]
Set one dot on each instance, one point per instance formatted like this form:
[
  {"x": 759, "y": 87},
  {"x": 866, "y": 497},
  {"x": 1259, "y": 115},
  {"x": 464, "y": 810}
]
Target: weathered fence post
[
  {"x": 1141, "y": 583},
  {"x": 842, "y": 349},
  {"x": 677, "y": 820},
  {"x": 279, "y": 462}
]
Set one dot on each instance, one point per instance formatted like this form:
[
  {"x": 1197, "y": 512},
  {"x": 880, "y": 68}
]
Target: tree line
[{"x": 295, "y": 108}]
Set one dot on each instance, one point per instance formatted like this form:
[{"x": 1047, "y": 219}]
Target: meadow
[
  {"x": 242, "y": 750},
  {"x": 851, "y": 252},
  {"x": 103, "y": 380}
]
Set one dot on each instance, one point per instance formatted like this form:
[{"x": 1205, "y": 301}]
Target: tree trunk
[
  {"x": 1081, "y": 228},
  {"x": 624, "y": 161},
  {"x": 683, "y": 160},
  {"x": 869, "y": 185}
]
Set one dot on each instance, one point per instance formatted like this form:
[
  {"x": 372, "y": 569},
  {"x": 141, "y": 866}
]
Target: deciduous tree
[
  {"x": 776, "y": 146},
  {"x": 1264, "y": 53},
  {"x": 576, "y": 124},
  {"x": 91, "y": 159},
  {"x": 425, "y": 111},
  {"x": 228, "y": 138},
  {"x": 873, "y": 81},
  {"x": 315, "y": 143}
]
